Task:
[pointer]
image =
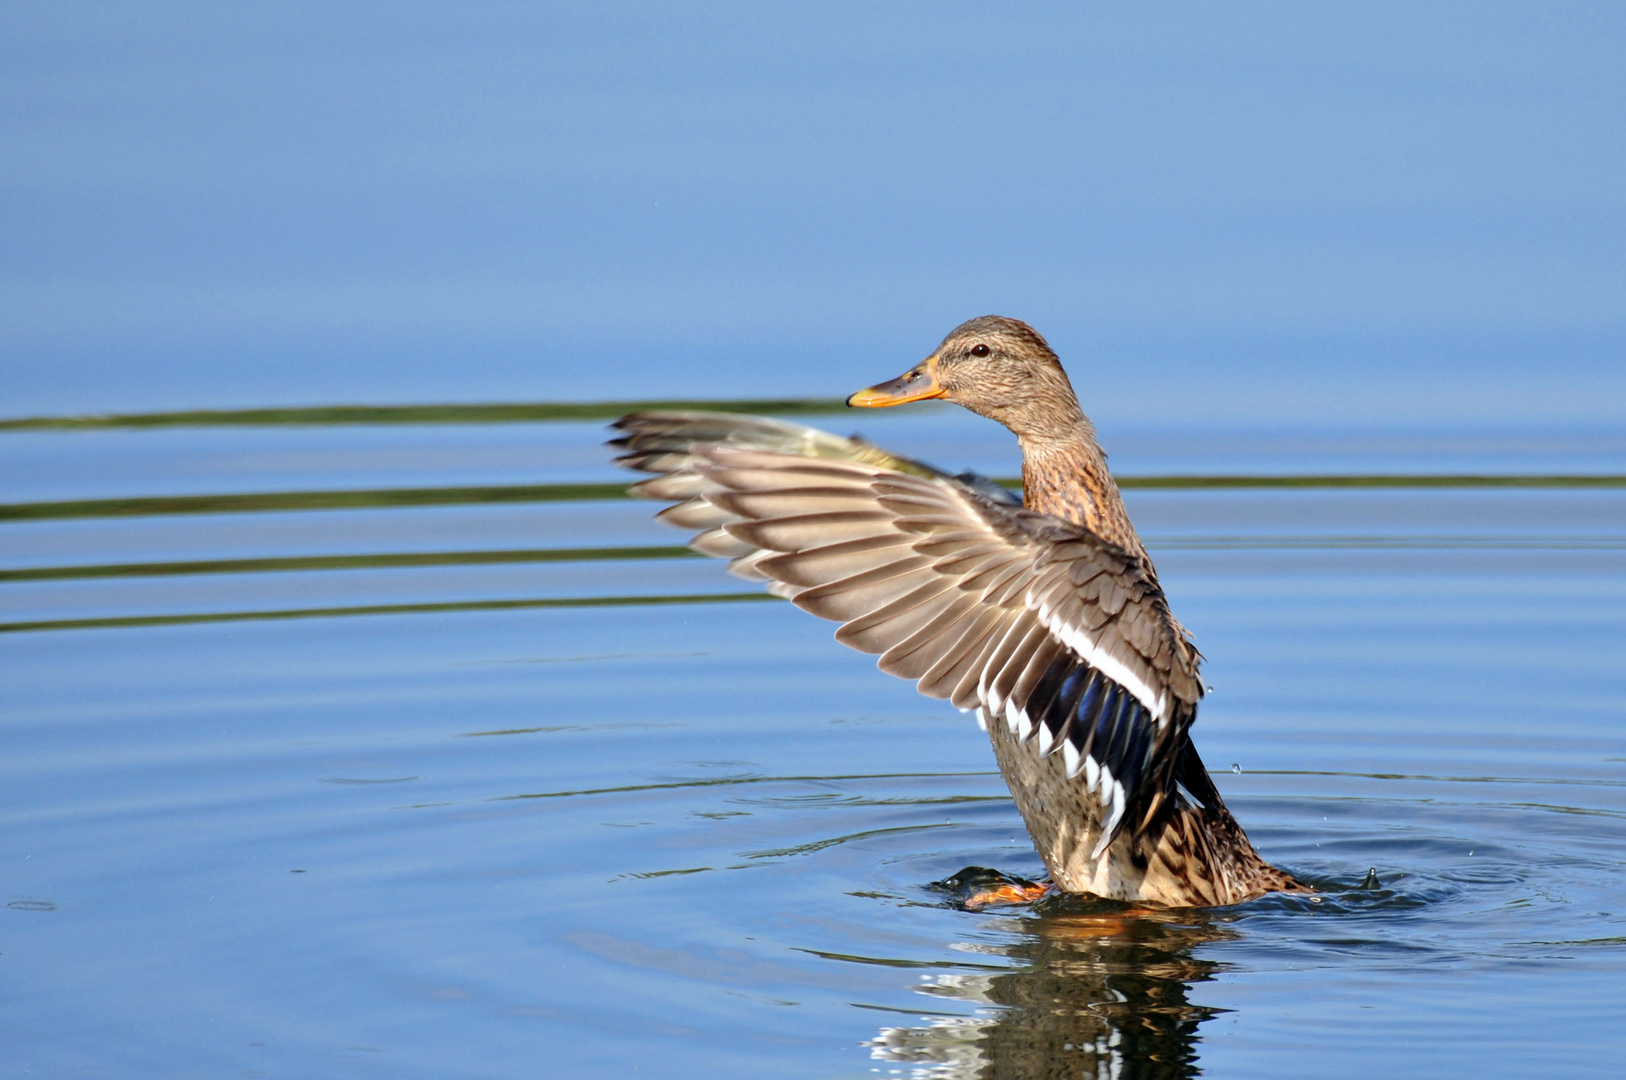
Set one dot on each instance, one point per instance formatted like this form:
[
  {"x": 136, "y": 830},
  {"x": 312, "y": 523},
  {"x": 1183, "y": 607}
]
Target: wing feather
[
  {"x": 1025, "y": 616},
  {"x": 811, "y": 530},
  {"x": 912, "y": 657},
  {"x": 944, "y": 677},
  {"x": 885, "y": 627},
  {"x": 865, "y": 593},
  {"x": 834, "y": 562}
]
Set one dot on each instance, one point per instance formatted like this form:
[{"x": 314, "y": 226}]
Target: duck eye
[{"x": 979, "y": 350}]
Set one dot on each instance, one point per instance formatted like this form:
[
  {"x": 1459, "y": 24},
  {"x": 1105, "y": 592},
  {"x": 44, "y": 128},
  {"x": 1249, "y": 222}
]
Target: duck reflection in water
[{"x": 1100, "y": 990}]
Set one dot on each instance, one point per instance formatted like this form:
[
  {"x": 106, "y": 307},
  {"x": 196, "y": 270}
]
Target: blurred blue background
[{"x": 1345, "y": 212}]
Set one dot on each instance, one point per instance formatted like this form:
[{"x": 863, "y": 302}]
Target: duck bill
[{"x": 916, "y": 384}]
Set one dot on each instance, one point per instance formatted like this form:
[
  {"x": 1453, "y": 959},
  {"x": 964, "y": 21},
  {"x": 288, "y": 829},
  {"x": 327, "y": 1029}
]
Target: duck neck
[{"x": 1065, "y": 474}]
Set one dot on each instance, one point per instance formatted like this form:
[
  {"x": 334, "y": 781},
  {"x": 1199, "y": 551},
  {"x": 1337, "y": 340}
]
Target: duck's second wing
[{"x": 1019, "y": 615}]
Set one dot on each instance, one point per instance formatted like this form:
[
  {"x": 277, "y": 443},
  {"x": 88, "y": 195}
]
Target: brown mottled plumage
[
  {"x": 1047, "y": 618},
  {"x": 1020, "y": 383}
]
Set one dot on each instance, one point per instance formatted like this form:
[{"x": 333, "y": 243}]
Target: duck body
[
  {"x": 1044, "y": 618},
  {"x": 1192, "y": 854}
]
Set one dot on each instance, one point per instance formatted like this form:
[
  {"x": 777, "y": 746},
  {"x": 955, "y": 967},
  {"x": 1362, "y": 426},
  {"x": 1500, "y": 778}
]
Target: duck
[{"x": 1041, "y": 615}]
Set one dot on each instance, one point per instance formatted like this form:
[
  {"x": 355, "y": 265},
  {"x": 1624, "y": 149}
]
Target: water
[
  {"x": 469, "y": 788},
  {"x": 401, "y": 747},
  {"x": 1271, "y": 209}
]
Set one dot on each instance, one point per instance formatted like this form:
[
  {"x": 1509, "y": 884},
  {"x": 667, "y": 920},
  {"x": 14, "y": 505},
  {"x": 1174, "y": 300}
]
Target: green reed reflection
[
  {"x": 384, "y": 498},
  {"x": 635, "y": 552},
  {"x": 371, "y": 561},
  {"x": 498, "y": 413},
  {"x": 131, "y": 621},
  {"x": 284, "y": 501}
]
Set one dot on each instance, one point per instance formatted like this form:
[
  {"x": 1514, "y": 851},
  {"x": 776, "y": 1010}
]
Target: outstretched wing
[{"x": 1020, "y": 615}]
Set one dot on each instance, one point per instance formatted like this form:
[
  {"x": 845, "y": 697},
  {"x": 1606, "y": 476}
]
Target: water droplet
[{"x": 1236, "y": 768}]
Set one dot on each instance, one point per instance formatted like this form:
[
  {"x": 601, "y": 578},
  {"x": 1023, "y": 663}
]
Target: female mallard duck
[{"x": 1045, "y": 617}]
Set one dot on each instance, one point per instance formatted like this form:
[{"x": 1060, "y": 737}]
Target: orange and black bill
[{"x": 916, "y": 384}]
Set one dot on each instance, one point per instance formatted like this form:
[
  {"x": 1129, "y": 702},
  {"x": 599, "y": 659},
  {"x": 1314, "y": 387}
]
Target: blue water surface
[
  {"x": 1267, "y": 210},
  {"x": 409, "y": 749},
  {"x": 399, "y": 820}
]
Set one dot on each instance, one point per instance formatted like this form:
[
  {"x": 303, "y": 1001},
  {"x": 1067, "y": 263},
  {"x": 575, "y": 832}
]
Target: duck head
[{"x": 996, "y": 367}]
